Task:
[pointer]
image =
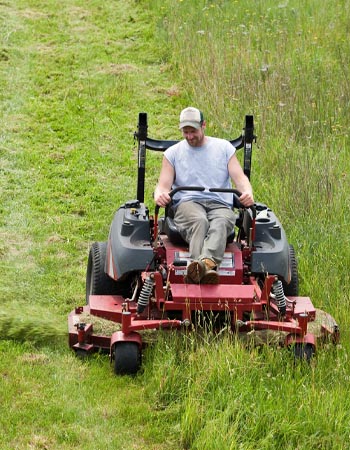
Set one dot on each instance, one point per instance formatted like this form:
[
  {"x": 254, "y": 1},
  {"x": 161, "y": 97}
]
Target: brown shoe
[
  {"x": 195, "y": 272},
  {"x": 209, "y": 264},
  {"x": 188, "y": 280},
  {"x": 211, "y": 277}
]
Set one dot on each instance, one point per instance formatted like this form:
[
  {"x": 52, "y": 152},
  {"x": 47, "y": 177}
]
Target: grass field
[{"x": 73, "y": 77}]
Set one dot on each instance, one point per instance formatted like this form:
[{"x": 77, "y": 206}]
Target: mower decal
[
  {"x": 228, "y": 261},
  {"x": 180, "y": 272},
  {"x": 227, "y": 266},
  {"x": 182, "y": 255},
  {"x": 227, "y": 273}
]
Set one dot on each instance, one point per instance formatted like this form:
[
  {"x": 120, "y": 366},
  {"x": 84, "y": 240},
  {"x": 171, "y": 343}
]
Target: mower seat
[{"x": 172, "y": 232}]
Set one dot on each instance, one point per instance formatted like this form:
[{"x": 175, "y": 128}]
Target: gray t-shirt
[{"x": 205, "y": 166}]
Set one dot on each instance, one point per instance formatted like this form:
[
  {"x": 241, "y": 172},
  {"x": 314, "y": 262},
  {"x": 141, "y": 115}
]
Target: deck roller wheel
[
  {"x": 303, "y": 351},
  {"x": 127, "y": 358}
]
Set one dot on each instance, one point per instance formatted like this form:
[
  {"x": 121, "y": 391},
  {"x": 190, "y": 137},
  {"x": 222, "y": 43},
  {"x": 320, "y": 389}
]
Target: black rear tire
[
  {"x": 127, "y": 358},
  {"x": 292, "y": 289},
  {"x": 97, "y": 281}
]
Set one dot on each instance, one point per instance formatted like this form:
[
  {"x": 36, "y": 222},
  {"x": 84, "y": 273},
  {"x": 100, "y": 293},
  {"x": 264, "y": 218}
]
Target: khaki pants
[{"x": 205, "y": 227}]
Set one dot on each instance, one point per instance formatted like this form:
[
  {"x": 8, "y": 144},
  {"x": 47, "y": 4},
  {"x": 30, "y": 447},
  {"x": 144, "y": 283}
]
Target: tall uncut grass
[
  {"x": 287, "y": 64},
  {"x": 74, "y": 75}
]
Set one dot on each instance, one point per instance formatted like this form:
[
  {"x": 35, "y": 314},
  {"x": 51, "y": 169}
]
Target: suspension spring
[
  {"x": 280, "y": 297},
  {"x": 145, "y": 294}
]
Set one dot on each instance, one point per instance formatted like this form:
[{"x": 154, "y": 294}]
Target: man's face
[{"x": 194, "y": 136}]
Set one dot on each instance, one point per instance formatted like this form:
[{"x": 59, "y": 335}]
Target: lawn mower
[{"x": 136, "y": 283}]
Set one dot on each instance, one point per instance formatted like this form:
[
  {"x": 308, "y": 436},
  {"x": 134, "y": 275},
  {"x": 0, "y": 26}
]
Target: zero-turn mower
[{"x": 136, "y": 279}]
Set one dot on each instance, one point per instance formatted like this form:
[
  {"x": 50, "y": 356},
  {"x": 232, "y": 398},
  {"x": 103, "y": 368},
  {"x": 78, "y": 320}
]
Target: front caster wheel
[
  {"x": 127, "y": 358},
  {"x": 303, "y": 352}
]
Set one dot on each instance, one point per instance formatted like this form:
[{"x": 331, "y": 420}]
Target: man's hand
[
  {"x": 162, "y": 198},
  {"x": 247, "y": 199}
]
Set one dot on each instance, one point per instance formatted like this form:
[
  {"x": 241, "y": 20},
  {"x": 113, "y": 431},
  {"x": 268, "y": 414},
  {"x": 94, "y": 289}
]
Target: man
[{"x": 204, "y": 219}]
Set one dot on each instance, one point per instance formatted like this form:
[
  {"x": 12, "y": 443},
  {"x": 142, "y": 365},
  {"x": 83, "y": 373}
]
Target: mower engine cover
[
  {"x": 129, "y": 242},
  {"x": 271, "y": 248}
]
